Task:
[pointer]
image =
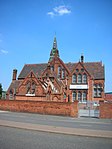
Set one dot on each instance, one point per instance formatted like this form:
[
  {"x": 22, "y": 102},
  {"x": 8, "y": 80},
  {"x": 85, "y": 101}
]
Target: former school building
[{"x": 58, "y": 81}]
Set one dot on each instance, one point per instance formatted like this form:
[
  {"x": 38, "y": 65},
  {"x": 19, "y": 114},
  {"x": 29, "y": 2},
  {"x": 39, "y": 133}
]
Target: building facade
[{"x": 59, "y": 81}]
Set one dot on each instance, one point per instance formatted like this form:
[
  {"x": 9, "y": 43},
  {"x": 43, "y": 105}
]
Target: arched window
[
  {"x": 74, "y": 96},
  {"x": 33, "y": 88},
  {"x": 11, "y": 94},
  {"x": 63, "y": 74},
  {"x": 74, "y": 78},
  {"x": 84, "y": 96},
  {"x": 28, "y": 86},
  {"x": 79, "y": 96},
  {"x": 79, "y": 78},
  {"x": 84, "y": 78},
  {"x": 59, "y": 72}
]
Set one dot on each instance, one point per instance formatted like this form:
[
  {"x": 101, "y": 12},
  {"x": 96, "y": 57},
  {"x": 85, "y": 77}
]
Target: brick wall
[
  {"x": 41, "y": 107},
  {"x": 108, "y": 97},
  {"x": 105, "y": 110}
]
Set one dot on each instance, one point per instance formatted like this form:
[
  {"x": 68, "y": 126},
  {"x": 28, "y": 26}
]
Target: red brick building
[{"x": 58, "y": 81}]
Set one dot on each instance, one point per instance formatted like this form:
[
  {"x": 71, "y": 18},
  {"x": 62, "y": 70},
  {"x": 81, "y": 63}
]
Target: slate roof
[
  {"x": 14, "y": 84},
  {"x": 36, "y": 68},
  {"x": 95, "y": 69}
]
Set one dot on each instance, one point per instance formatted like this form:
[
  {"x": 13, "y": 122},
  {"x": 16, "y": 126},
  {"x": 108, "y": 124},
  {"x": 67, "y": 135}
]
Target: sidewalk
[{"x": 55, "y": 129}]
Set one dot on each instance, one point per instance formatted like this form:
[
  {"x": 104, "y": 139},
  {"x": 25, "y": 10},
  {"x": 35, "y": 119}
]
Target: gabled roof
[
  {"x": 37, "y": 69},
  {"x": 14, "y": 85},
  {"x": 95, "y": 69}
]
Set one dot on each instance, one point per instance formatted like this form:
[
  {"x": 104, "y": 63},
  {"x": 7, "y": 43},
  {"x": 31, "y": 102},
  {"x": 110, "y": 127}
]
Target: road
[
  {"x": 13, "y": 138},
  {"x": 58, "y": 121}
]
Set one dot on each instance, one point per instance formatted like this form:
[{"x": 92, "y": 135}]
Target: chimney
[
  {"x": 82, "y": 58},
  {"x": 14, "y": 74}
]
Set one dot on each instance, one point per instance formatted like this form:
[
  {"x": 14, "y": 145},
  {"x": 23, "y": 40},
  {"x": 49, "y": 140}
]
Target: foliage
[{"x": 1, "y": 90}]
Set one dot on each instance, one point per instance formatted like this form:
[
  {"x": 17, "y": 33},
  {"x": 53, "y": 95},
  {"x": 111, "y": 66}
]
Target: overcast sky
[{"x": 28, "y": 27}]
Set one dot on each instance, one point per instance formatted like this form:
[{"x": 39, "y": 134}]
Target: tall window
[
  {"x": 74, "y": 96},
  {"x": 97, "y": 90},
  {"x": 79, "y": 96},
  {"x": 30, "y": 87},
  {"x": 74, "y": 78},
  {"x": 59, "y": 71},
  {"x": 84, "y": 78},
  {"x": 63, "y": 74},
  {"x": 84, "y": 96},
  {"x": 79, "y": 78},
  {"x": 11, "y": 94},
  {"x": 33, "y": 88}
]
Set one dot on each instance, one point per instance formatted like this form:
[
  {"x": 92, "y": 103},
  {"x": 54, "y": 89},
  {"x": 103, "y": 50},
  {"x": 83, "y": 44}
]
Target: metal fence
[{"x": 88, "y": 109}]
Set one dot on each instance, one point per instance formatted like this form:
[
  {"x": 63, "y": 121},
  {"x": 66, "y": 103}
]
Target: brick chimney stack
[{"x": 14, "y": 74}]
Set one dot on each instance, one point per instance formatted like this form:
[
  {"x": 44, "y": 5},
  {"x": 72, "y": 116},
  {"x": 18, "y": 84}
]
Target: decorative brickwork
[{"x": 58, "y": 81}]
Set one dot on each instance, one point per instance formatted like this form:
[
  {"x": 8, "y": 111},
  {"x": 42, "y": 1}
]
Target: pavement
[{"x": 62, "y": 130}]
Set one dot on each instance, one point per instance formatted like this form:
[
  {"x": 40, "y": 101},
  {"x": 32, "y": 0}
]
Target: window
[
  {"x": 79, "y": 96},
  {"x": 52, "y": 68},
  {"x": 30, "y": 88},
  {"x": 77, "y": 70},
  {"x": 74, "y": 78},
  {"x": 59, "y": 72},
  {"x": 84, "y": 78},
  {"x": 79, "y": 78},
  {"x": 97, "y": 90},
  {"x": 63, "y": 74},
  {"x": 74, "y": 96},
  {"x": 84, "y": 96},
  {"x": 11, "y": 94},
  {"x": 82, "y": 69},
  {"x": 33, "y": 88}
]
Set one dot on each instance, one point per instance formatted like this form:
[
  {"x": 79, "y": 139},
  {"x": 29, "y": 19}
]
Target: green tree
[{"x": 1, "y": 90}]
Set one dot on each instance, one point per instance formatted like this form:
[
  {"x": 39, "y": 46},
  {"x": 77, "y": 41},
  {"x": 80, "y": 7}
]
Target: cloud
[
  {"x": 51, "y": 14},
  {"x": 4, "y": 51},
  {"x": 59, "y": 11}
]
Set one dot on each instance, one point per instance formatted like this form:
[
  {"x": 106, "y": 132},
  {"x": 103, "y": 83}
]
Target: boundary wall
[{"x": 41, "y": 107}]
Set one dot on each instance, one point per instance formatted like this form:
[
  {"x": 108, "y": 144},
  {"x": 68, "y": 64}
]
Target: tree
[{"x": 1, "y": 90}]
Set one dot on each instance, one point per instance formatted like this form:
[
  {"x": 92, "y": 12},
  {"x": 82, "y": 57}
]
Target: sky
[{"x": 28, "y": 27}]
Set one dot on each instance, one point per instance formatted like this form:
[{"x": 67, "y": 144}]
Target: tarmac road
[
  {"x": 58, "y": 121},
  {"x": 57, "y": 124},
  {"x": 13, "y": 138}
]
